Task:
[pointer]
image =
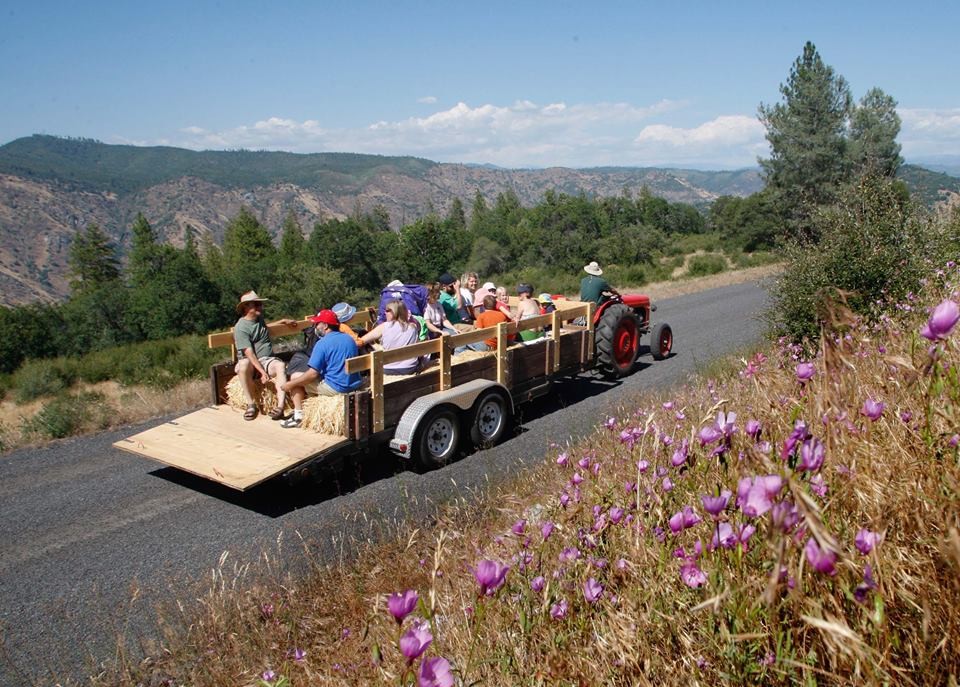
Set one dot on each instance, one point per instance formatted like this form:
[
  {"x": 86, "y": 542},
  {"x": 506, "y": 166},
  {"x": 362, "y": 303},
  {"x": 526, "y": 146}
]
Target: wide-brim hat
[
  {"x": 249, "y": 297},
  {"x": 545, "y": 298},
  {"x": 344, "y": 312},
  {"x": 593, "y": 268},
  {"x": 327, "y": 317}
]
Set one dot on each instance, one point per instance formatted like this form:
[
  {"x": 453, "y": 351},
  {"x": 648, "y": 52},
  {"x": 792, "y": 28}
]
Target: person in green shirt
[
  {"x": 255, "y": 354},
  {"x": 451, "y": 301},
  {"x": 594, "y": 287}
]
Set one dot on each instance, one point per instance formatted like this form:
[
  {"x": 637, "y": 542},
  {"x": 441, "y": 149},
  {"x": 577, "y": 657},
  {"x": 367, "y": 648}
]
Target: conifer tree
[
  {"x": 92, "y": 260},
  {"x": 874, "y": 126}
]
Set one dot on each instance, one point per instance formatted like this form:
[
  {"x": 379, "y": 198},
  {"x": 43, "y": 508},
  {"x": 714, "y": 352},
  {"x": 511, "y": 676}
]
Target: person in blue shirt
[{"x": 326, "y": 374}]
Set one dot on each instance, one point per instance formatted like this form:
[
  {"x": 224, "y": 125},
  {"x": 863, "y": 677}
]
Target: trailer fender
[{"x": 462, "y": 396}]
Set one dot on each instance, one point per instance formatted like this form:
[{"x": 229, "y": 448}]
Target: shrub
[
  {"x": 39, "y": 378},
  {"x": 703, "y": 265},
  {"x": 873, "y": 248},
  {"x": 742, "y": 260},
  {"x": 68, "y": 414}
]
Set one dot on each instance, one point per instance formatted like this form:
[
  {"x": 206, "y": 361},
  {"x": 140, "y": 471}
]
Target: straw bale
[
  {"x": 324, "y": 414},
  {"x": 265, "y": 395}
]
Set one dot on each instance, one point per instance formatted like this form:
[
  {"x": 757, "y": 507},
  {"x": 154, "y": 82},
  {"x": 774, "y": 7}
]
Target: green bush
[
  {"x": 703, "y": 265},
  {"x": 625, "y": 276},
  {"x": 67, "y": 414},
  {"x": 38, "y": 378},
  {"x": 742, "y": 260},
  {"x": 874, "y": 248}
]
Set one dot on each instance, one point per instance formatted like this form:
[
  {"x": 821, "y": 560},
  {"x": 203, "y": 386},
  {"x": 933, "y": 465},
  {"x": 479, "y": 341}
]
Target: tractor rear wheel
[{"x": 617, "y": 340}]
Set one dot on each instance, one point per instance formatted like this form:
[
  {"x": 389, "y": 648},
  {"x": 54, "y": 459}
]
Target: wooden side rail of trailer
[{"x": 422, "y": 415}]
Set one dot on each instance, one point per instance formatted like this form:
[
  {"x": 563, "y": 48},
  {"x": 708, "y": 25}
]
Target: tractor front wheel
[
  {"x": 661, "y": 341},
  {"x": 617, "y": 340}
]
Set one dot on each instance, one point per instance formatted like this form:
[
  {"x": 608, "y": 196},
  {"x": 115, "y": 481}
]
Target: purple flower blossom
[
  {"x": 610, "y": 422},
  {"x": 785, "y": 515},
  {"x": 546, "y": 529},
  {"x": 537, "y": 583},
  {"x": 592, "y": 590},
  {"x": 569, "y": 554},
  {"x": 518, "y": 527},
  {"x": 680, "y": 455},
  {"x": 860, "y": 593},
  {"x": 812, "y": 453},
  {"x": 562, "y": 459},
  {"x": 683, "y": 519},
  {"x": 726, "y": 423},
  {"x": 558, "y": 611},
  {"x": 753, "y": 429},
  {"x": 415, "y": 641},
  {"x": 709, "y": 435},
  {"x": 798, "y": 434},
  {"x": 715, "y": 505},
  {"x": 822, "y": 560},
  {"x": 744, "y": 534},
  {"x": 616, "y": 515},
  {"x": 268, "y": 675},
  {"x": 805, "y": 372},
  {"x": 584, "y": 462},
  {"x": 942, "y": 320},
  {"x": 642, "y": 466},
  {"x": 577, "y": 478},
  {"x": 435, "y": 672},
  {"x": 297, "y": 654},
  {"x": 692, "y": 575},
  {"x": 621, "y": 564},
  {"x": 866, "y": 541},
  {"x": 872, "y": 409},
  {"x": 667, "y": 484},
  {"x": 755, "y": 495},
  {"x": 490, "y": 575},
  {"x": 564, "y": 499},
  {"x": 402, "y": 605},
  {"x": 818, "y": 485},
  {"x": 723, "y": 536}
]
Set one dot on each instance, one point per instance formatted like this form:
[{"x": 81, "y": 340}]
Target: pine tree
[
  {"x": 92, "y": 260},
  {"x": 292, "y": 241},
  {"x": 807, "y": 135},
  {"x": 144, "y": 253},
  {"x": 874, "y": 126}
]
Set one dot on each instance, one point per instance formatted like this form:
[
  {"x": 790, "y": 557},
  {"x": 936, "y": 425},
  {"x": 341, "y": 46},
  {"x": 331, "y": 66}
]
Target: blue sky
[{"x": 509, "y": 83}]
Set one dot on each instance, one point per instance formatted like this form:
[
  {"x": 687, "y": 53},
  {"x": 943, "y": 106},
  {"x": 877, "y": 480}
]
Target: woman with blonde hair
[{"x": 398, "y": 330}]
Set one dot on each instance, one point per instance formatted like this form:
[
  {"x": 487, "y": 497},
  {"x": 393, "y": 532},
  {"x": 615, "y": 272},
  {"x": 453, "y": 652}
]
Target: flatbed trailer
[{"x": 428, "y": 417}]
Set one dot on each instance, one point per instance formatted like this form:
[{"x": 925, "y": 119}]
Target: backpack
[{"x": 414, "y": 297}]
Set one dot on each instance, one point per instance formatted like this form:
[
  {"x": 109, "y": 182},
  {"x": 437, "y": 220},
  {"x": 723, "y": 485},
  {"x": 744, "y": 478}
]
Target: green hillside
[
  {"x": 926, "y": 184},
  {"x": 92, "y": 165}
]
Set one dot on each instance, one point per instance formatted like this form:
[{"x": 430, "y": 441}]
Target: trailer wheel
[
  {"x": 618, "y": 340},
  {"x": 437, "y": 437},
  {"x": 661, "y": 341},
  {"x": 489, "y": 420}
]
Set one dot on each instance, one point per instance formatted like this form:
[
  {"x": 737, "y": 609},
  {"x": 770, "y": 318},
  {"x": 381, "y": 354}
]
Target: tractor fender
[{"x": 462, "y": 396}]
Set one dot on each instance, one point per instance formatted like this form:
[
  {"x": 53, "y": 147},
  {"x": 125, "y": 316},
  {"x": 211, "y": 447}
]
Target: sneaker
[{"x": 291, "y": 422}]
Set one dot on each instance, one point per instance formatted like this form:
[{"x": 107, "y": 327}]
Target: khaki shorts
[
  {"x": 316, "y": 388},
  {"x": 265, "y": 362},
  {"x": 462, "y": 327}
]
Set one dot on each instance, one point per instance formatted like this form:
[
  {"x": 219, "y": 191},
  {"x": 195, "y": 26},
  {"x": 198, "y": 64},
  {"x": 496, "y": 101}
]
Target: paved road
[{"x": 85, "y": 528}]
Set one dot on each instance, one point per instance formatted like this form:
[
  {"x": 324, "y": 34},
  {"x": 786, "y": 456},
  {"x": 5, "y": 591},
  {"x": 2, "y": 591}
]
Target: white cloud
[
  {"x": 522, "y": 134},
  {"x": 929, "y": 132},
  {"x": 427, "y": 99}
]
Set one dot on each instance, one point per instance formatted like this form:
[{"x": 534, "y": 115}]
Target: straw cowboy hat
[
  {"x": 249, "y": 297},
  {"x": 593, "y": 268}
]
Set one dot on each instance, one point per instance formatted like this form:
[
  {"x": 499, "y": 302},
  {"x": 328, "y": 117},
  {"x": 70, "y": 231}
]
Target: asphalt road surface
[{"x": 92, "y": 537}]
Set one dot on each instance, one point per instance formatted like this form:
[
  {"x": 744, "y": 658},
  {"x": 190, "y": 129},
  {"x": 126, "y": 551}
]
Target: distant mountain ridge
[{"x": 51, "y": 186}]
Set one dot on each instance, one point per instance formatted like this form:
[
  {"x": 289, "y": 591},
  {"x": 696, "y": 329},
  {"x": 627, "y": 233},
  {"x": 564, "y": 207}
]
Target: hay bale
[
  {"x": 324, "y": 414},
  {"x": 265, "y": 395}
]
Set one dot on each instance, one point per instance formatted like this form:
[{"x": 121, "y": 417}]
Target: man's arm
[
  {"x": 302, "y": 380},
  {"x": 252, "y": 357},
  {"x": 287, "y": 322}
]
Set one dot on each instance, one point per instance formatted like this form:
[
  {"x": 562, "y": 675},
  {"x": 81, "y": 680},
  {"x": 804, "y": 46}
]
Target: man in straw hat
[
  {"x": 327, "y": 374},
  {"x": 594, "y": 287},
  {"x": 255, "y": 352}
]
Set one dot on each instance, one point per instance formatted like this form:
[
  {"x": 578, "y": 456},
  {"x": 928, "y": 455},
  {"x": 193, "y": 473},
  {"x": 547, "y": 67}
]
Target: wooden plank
[
  {"x": 411, "y": 351},
  {"x": 445, "y": 363},
  {"x": 502, "y": 355},
  {"x": 555, "y": 333},
  {"x": 276, "y": 330},
  {"x": 376, "y": 389},
  {"x": 218, "y": 444}
]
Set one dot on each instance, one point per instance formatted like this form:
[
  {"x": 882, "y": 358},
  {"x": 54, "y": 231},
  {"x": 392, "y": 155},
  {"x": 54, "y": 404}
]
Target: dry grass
[{"x": 674, "y": 609}]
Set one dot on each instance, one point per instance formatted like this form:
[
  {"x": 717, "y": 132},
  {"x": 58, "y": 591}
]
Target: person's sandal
[
  {"x": 277, "y": 414},
  {"x": 251, "y": 412},
  {"x": 291, "y": 422}
]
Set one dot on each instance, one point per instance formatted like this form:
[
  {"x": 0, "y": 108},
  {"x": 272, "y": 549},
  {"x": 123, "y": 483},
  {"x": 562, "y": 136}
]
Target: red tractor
[{"x": 619, "y": 322}]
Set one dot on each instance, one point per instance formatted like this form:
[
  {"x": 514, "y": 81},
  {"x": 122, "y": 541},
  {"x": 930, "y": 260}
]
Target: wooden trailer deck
[{"x": 217, "y": 444}]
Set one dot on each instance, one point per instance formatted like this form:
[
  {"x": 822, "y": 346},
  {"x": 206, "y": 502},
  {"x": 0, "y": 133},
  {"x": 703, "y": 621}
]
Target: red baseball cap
[{"x": 327, "y": 317}]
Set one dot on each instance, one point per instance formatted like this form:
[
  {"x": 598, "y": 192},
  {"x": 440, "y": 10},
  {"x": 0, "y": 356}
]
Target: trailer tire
[
  {"x": 438, "y": 437},
  {"x": 618, "y": 340},
  {"x": 489, "y": 419},
  {"x": 661, "y": 341}
]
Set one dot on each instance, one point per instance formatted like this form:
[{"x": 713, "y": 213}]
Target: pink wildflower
[
  {"x": 415, "y": 641},
  {"x": 692, "y": 576},
  {"x": 435, "y": 672},
  {"x": 592, "y": 590},
  {"x": 402, "y": 605},
  {"x": 822, "y": 560},
  {"x": 866, "y": 541},
  {"x": 942, "y": 321},
  {"x": 755, "y": 495}
]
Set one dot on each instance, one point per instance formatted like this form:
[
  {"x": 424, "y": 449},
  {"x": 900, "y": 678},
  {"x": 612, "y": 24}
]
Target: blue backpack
[{"x": 414, "y": 296}]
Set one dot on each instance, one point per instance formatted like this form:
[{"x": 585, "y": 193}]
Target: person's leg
[
  {"x": 244, "y": 371},
  {"x": 278, "y": 371}
]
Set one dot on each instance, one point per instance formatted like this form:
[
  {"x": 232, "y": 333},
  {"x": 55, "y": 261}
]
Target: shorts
[
  {"x": 317, "y": 388},
  {"x": 265, "y": 362}
]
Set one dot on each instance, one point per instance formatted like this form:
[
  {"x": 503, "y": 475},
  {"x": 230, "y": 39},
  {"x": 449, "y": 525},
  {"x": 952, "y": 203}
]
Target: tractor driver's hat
[
  {"x": 593, "y": 268},
  {"x": 327, "y": 317},
  {"x": 344, "y": 312},
  {"x": 249, "y": 297}
]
